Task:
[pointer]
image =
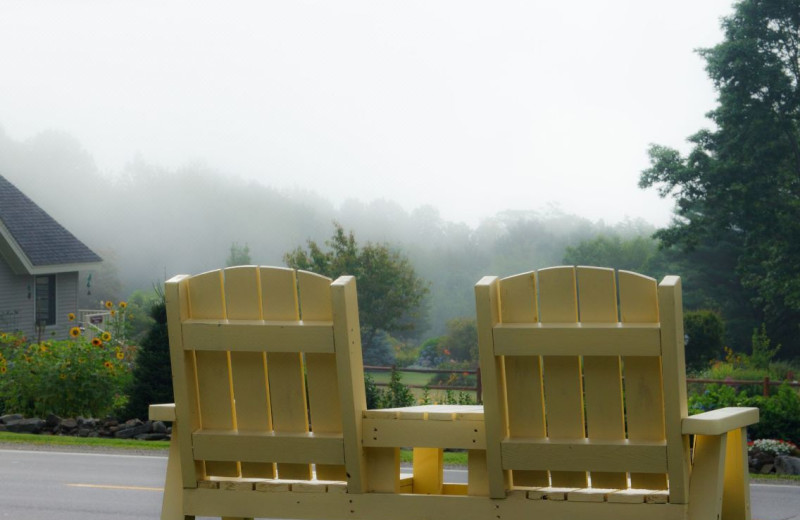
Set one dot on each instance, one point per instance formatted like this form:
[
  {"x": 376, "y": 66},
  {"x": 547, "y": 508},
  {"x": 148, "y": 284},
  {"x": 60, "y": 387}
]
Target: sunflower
[
  {"x": 106, "y": 336},
  {"x": 75, "y": 332},
  {"x": 120, "y": 355},
  {"x": 3, "y": 369},
  {"x": 108, "y": 365},
  {"x": 113, "y": 312},
  {"x": 97, "y": 342},
  {"x": 71, "y": 316},
  {"x": 122, "y": 305},
  {"x": 109, "y": 304}
]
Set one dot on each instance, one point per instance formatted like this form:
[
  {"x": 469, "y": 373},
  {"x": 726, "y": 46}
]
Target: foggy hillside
[{"x": 149, "y": 223}]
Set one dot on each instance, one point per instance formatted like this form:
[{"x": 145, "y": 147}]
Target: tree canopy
[
  {"x": 739, "y": 186},
  {"x": 391, "y": 297}
]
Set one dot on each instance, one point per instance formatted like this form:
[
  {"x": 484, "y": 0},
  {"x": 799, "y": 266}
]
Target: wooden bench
[
  {"x": 270, "y": 417},
  {"x": 585, "y": 400}
]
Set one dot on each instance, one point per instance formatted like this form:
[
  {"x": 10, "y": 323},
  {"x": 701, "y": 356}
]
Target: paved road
[{"x": 42, "y": 485}]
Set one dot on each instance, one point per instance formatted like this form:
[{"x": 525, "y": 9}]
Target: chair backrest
[
  {"x": 267, "y": 375},
  {"x": 584, "y": 380}
]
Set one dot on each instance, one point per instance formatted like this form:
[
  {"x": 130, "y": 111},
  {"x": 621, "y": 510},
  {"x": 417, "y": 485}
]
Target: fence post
[{"x": 766, "y": 386}]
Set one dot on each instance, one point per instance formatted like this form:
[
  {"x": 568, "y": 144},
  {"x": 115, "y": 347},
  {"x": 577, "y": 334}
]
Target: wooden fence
[
  {"x": 478, "y": 389},
  {"x": 766, "y": 383}
]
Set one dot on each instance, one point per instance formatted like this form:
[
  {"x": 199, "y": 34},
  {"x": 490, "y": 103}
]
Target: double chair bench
[{"x": 584, "y": 415}]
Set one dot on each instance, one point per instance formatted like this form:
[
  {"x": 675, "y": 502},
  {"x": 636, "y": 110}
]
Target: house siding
[
  {"x": 66, "y": 302},
  {"x": 17, "y": 311}
]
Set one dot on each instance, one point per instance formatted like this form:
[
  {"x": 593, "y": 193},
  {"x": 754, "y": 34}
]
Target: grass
[
  {"x": 65, "y": 440},
  {"x": 451, "y": 458}
]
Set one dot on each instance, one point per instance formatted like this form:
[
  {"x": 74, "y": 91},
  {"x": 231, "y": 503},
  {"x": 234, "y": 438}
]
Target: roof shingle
[{"x": 43, "y": 240}]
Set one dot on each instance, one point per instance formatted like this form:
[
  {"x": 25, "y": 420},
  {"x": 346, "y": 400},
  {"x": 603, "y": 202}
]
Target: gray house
[{"x": 39, "y": 265}]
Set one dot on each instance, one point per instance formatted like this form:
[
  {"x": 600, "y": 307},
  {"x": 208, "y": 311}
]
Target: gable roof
[{"x": 33, "y": 242}]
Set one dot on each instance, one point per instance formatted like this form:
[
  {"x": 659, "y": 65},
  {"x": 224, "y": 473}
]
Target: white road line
[{"x": 82, "y": 453}]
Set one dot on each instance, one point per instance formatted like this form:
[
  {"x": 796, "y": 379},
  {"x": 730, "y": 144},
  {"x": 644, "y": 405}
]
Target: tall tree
[
  {"x": 391, "y": 297},
  {"x": 740, "y": 184},
  {"x": 240, "y": 255}
]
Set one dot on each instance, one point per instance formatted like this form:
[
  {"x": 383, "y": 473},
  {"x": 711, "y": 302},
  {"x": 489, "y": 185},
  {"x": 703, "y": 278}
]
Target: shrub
[
  {"x": 152, "y": 376},
  {"x": 779, "y": 415},
  {"x": 374, "y": 394},
  {"x": 396, "y": 394},
  {"x": 80, "y": 376}
]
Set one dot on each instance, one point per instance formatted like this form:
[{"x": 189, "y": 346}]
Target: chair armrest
[
  {"x": 162, "y": 412},
  {"x": 717, "y": 422}
]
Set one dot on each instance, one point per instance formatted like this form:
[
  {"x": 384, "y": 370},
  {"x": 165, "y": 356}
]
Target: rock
[
  {"x": 68, "y": 424},
  {"x": 152, "y": 437},
  {"x": 25, "y": 426},
  {"x": 787, "y": 465},
  {"x": 159, "y": 427},
  {"x": 5, "y": 419},
  {"x": 131, "y": 423},
  {"x": 766, "y": 468},
  {"x": 87, "y": 423},
  {"x": 84, "y": 432},
  {"x": 133, "y": 431},
  {"x": 52, "y": 421}
]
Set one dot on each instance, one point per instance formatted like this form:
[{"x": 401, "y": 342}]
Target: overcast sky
[{"x": 472, "y": 107}]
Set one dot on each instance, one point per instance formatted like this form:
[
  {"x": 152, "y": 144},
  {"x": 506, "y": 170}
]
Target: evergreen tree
[
  {"x": 739, "y": 187},
  {"x": 152, "y": 376}
]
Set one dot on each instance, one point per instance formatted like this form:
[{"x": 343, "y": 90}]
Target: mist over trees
[{"x": 150, "y": 224}]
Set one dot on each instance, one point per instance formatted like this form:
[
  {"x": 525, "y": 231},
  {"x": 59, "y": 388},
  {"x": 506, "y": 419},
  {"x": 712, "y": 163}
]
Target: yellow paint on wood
[
  {"x": 350, "y": 373},
  {"x": 644, "y": 398},
  {"x": 602, "y": 376},
  {"x": 477, "y": 475},
  {"x": 383, "y": 470},
  {"x": 493, "y": 373},
  {"x": 428, "y": 471},
  {"x": 584, "y": 455},
  {"x": 577, "y": 339},
  {"x": 562, "y": 374},
  {"x": 523, "y": 373},
  {"x": 736, "y": 480}
]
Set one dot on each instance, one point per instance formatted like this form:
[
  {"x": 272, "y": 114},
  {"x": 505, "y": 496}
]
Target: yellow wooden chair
[
  {"x": 585, "y": 401},
  {"x": 269, "y": 392}
]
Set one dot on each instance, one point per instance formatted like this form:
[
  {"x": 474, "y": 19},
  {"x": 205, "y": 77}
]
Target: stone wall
[{"x": 82, "y": 427}]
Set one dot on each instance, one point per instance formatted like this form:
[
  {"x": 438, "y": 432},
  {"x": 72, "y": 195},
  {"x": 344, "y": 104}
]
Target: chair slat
[
  {"x": 285, "y": 370},
  {"x": 644, "y": 398},
  {"x": 577, "y": 339},
  {"x": 562, "y": 374},
  {"x": 259, "y": 336},
  {"x": 207, "y": 301},
  {"x": 602, "y": 376},
  {"x": 524, "y": 394},
  {"x": 248, "y": 369},
  {"x": 299, "y": 449},
  {"x": 323, "y": 385}
]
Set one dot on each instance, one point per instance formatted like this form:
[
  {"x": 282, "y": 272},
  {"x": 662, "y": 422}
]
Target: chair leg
[
  {"x": 736, "y": 489},
  {"x": 705, "y": 488},
  {"x": 172, "y": 503}
]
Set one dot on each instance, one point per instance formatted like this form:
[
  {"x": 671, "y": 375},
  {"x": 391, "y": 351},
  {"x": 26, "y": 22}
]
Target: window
[{"x": 46, "y": 300}]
